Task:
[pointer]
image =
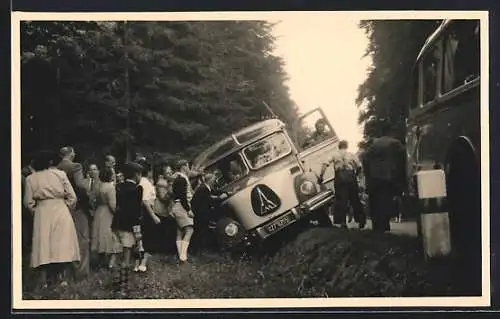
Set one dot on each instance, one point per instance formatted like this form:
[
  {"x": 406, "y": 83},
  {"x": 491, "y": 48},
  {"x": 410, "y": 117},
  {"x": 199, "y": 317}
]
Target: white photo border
[{"x": 19, "y": 304}]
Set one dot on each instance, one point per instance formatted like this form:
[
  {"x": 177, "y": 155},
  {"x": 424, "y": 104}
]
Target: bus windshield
[{"x": 267, "y": 150}]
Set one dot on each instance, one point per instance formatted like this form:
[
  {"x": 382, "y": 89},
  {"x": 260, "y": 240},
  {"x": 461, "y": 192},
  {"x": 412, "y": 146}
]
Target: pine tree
[
  {"x": 393, "y": 47},
  {"x": 188, "y": 84}
]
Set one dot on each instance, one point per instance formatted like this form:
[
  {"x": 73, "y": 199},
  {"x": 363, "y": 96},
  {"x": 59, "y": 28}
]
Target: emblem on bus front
[{"x": 264, "y": 200}]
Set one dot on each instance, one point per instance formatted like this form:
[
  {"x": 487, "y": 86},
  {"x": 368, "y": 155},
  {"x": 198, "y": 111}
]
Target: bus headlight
[
  {"x": 307, "y": 187},
  {"x": 231, "y": 229}
]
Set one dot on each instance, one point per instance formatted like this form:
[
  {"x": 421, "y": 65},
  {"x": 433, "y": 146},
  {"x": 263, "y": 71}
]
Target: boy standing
[{"x": 128, "y": 214}]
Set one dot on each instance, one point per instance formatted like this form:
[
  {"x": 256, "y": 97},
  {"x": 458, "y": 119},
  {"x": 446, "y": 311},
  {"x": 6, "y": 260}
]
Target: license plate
[{"x": 279, "y": 223}]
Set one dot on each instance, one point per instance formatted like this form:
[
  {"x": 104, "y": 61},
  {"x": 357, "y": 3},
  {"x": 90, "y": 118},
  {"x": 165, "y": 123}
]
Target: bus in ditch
[
  {"x": 270, "y": 173},
  {"x": 444, "y": 133}
]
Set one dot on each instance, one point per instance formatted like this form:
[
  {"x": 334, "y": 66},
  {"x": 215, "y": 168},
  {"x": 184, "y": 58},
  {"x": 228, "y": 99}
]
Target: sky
[{"x": 323, "y": 56}]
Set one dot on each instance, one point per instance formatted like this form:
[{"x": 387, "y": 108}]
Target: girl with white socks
[{"x": 181, "y": 208}]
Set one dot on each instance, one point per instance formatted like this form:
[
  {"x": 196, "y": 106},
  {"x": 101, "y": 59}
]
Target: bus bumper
[{"x": 293, "y": 215}]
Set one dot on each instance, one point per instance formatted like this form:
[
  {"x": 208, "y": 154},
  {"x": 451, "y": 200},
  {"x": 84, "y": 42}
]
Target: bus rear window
[{"x": 461, "y": 58}]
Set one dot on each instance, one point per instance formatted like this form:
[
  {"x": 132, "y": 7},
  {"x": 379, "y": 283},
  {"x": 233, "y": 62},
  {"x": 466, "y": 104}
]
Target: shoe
[
  {"x": 136, "y": 269},
  {"x": 142, "y": 268}
]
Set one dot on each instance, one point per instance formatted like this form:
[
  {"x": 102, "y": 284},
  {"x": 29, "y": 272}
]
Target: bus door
[{"x": 317, "y": 141}]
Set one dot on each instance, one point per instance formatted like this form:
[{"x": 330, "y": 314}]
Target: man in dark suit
[
  {"x": 93, "y": 184},
  {"x": 80, "y": 213},
  {"x": 384, "y": 163},
  {"x": 203, "y": 206}
]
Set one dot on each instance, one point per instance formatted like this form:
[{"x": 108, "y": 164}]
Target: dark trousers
[
  {"x": 381, "y": 201},
  {"x": 203, "y": 236},
  {"x": 150, "y": 233},
  {"x": 158, "y": 238},
  {"x": 347, "y": 192},
  {"x": 81, "y": 220}
]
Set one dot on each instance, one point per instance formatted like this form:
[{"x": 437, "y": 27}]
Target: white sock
[
  {"x": 184, "y": 249},
  {"x": 145, "y": 259},
  {"x": 179, "y": 247}
]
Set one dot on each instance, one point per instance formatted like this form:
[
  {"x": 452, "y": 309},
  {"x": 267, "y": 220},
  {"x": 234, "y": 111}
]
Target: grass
[{"x": 320, "y": 262}]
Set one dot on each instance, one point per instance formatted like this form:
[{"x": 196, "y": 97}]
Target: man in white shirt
[
  {"x": 347, "y": 167},
  {"x": 149, "y": 218}
]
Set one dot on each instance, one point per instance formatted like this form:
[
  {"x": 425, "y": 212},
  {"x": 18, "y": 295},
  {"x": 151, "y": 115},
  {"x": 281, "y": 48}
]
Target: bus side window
[
  {"x": 461, "y": 58},
  {"x": 415, "y": 96},
  {"x": 430, "y": 65}
]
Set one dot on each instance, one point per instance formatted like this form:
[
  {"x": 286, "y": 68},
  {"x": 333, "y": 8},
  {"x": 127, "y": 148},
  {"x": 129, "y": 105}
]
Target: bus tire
[{"x": 463, "y": 184}]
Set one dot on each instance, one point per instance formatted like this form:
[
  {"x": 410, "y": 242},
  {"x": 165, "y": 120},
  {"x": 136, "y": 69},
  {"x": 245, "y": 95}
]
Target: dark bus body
[{"x": 444, "y": 132}]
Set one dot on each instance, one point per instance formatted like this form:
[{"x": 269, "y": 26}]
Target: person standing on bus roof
[
  {"x": 384, "y": 164},
  {"x": 347, "y": 167}
]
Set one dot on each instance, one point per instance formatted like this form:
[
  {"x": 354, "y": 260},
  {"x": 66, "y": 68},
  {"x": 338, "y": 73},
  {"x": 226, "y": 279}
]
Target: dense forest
[
  {"x": 384, "y": 96},
  {"x": 163, "y": 89},
  {"x": 168, "y": 89}
]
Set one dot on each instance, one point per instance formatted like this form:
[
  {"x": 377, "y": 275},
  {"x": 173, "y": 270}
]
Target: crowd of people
[{"x": 75, "y": 222}]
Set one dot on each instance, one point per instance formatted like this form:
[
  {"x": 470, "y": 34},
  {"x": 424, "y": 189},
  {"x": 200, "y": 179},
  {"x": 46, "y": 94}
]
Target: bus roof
[
  {"x": 236, "y": 141},
  {"x": 433, "y": 37}
]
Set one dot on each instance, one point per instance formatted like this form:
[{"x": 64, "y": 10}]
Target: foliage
[
  {"x": 393, "y": 47},
  {"x": 188, "y": 84}
]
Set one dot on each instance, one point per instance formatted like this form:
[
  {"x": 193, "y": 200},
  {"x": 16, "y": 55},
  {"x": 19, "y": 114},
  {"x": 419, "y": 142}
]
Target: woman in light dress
[
  {"x": 49, "y": 196},
  {"x": 104, "y": 241}
]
